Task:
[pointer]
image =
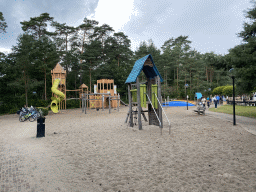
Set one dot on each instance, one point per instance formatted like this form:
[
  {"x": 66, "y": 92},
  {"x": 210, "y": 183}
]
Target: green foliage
[
  {"x": 13, "y": 111},
  {"x": 45, "y": 110},
  {"x": 218, "y": 90},
  {"x": 74, "y": 103},
  {"x": 3, "y": 24},
  {"x": 228, "y": 91}
]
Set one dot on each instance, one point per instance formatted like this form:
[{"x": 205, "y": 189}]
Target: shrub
[
  {"x": 228, "y": 90},
  {"x": 44, "y": 110},
  {"x": 73, "y": 104},
  {"x": 218, "y": 90},
  {"x": 13, "y": 111}
]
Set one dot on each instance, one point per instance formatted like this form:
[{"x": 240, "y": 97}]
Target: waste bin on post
[{"x": 40, "y": 127}]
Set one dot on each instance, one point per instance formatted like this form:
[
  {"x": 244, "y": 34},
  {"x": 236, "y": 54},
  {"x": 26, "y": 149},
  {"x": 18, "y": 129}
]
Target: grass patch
[{"x": 245, "y": 111}]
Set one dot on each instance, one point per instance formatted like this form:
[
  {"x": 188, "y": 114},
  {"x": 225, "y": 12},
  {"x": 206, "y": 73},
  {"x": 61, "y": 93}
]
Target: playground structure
[
  {"x": 59, "y": 88},
  {"x": 59, "y": 73},
  {"x": 56, "y": 100},
  {"x": 104, "y": 86},
  {"x": 104, "y": 96},
  {"x": 147, "y": 94}
]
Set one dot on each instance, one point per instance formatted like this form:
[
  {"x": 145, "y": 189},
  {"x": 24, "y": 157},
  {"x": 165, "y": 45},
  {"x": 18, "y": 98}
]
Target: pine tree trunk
[
  {"x": 177, "y": 79},
  {"x": 26, "y": 89},
  {"x": 206, "y": 74},
  {"x": 90, "y": 81},
  {"x": 66, "y": 52},
  {"x": 190, "y": 81},
  {"x": 45, "y": 83}
]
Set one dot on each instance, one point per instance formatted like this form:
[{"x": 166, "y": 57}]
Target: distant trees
[
  {"x": 243, "y": 57},
  {"x": 90, "y": 52},
  {"x": 3, "y": 24}
]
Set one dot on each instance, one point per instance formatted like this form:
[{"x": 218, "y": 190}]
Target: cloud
[
  {"x": 115, "y": 13},
  {"x": 5, "y": 50}
]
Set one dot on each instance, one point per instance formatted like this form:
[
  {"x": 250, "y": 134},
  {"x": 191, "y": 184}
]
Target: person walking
[{"x": 208, "y": 104}]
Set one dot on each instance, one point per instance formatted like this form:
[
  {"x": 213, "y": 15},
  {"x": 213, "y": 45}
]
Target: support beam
[
  {"x": 160, "y": 99},
  {"x": 102, "y": 102},
  {"x": 149, "y": 105},
  {"x": 139, "y": 104},
  {"x": 118, "y": 101},
  {"x": 109, "y": 103},
  {"x": 130, "y": 105}
]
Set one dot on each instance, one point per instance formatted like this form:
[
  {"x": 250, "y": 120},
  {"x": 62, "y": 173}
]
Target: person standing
[
  {"x": 215, "y": 102},
  {"x": 203, "y": 101}
]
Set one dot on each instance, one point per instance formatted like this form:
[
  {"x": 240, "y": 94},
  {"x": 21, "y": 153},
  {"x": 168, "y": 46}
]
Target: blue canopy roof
[
  {"x": 198, "y": 95},
  {"x": 150, "y": 72}
]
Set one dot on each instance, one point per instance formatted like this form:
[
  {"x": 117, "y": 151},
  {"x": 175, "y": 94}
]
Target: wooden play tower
[{"x": 59, "y": 73}]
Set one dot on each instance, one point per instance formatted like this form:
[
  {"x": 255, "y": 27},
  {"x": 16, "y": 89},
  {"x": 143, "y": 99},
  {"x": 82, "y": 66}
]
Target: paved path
[{"x": 249, "y": 124}]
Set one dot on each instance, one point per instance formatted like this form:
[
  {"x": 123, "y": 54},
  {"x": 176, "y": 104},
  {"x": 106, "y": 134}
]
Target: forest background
[{"x": 90, "y": 52}]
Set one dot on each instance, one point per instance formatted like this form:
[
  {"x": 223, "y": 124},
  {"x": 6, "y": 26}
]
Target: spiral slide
[{"x": 55, "y": 101}]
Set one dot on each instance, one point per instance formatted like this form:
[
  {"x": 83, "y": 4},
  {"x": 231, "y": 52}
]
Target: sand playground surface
[{"x": 99, "y": 152}]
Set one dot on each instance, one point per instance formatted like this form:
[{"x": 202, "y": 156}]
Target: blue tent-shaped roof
[
  {"x": 198, "y": 95},
  {"x": 150, "y": 72}
]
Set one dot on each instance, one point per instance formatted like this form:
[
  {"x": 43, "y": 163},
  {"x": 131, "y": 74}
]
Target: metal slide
[{"x": 164, "y": 113}]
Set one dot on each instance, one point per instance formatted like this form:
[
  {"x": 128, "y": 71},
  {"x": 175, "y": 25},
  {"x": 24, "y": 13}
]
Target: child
[{"x": 208, "y": 104}]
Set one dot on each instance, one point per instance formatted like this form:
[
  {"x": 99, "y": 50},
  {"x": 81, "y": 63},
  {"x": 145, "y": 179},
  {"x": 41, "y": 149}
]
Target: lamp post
[
  {"x": 186, "y": 86},
  {"x": 234, "y": 107}
]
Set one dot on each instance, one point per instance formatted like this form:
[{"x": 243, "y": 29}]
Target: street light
[
  {"x": 234, "y": 108},
  {"x": 186, "y": 86}
]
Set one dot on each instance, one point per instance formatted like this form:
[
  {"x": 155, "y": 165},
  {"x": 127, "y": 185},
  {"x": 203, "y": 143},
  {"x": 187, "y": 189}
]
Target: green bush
[
  {"x": 228, "y": 90},
  {"x": 71, "y": 104},
  {"x": 218, "y": 90},
  {"x": 44, "y": 110},
  {"x": 13, "y": 111}
]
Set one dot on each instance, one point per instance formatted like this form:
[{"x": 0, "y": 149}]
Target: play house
[
  {"x": 145, "y": 95},
  {"x": 104, "y": 86}
]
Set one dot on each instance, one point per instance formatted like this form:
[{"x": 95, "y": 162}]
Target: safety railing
[
  {"x": 154, "y": 111},
  {"x": 164, "y": 113}
]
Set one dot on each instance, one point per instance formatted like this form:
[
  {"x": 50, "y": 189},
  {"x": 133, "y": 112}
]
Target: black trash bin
[{"x": 40, "y": 127}]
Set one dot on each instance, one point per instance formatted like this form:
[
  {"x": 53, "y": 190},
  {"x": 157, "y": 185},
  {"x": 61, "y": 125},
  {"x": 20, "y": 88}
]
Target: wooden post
[
  {"x": 130, "y": 105},
  {"x": 82, "y": 104},
  {"x": 85, "y": 104},
  {"x": 149, "y": 105},
  {"x": 109, "y": 103},
  {"x": 160, "y": 99},
  {"x": 118, "y": 102},
  {"x": 139, "y": 104},
  {"x": 102, "y": 102}
]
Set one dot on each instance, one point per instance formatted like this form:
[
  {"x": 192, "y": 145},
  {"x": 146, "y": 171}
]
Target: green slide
[{"x": 55, "y": 101}]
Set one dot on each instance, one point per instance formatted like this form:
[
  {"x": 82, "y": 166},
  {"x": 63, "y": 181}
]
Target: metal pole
[
  {"x": 187, "y": 102},
  {"x": 234, "y": 107}
]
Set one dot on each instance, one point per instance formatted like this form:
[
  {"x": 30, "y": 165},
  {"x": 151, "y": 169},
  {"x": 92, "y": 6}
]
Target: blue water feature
[{"x": 177, "y": 104}]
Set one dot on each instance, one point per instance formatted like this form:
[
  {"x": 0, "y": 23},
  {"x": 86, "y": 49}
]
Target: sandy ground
[{"x": 99, "y": 152}]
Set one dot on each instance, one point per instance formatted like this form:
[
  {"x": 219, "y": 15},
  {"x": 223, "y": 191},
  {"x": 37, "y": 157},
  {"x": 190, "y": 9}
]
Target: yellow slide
[{"x": 55, "y": 101}]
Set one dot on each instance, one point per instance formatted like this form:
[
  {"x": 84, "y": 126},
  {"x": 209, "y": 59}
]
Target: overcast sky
[{"x": 211, "y": 25}]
